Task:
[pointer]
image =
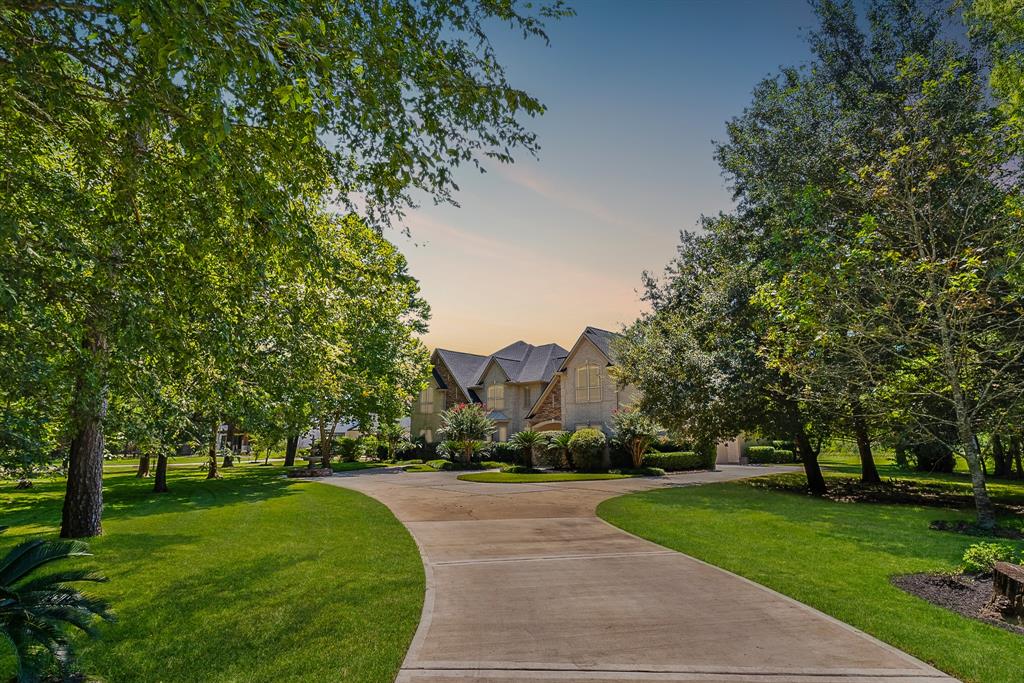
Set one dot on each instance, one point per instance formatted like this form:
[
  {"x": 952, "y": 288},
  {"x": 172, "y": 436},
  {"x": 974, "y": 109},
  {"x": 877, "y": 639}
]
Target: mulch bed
[
  {"x": 893, "y": 491},
  {"x": 960, "y": 526},
  {"x": 965, "y": 594}
]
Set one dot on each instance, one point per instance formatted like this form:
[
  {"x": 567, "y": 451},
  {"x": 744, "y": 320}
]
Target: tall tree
[{"x": 132, "y": 136}]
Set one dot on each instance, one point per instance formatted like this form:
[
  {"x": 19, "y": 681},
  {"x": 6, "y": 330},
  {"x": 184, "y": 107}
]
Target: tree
[
  {"x": 636, "y": 431},
  {"x": 527, "y": 442},
  {"x": 137, "y": 141},
  {"x": 696, "y": 357},
  {"x": 466, "y": 425},
  {"x": 37, "y": 611}
]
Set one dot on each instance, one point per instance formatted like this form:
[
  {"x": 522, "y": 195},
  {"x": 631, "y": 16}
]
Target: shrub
[
  {"x": 760, "y": 454},
  {"x": 558, "y": 448},
  {"x": 528, "y": 442},
  {"x": 636, "y": 431},
  {"x": 587, "y": 448},
  {"x": 466, "y": 424},
  {"x": 677, "y": 462},
  {"x": 491, "y": 464},
  {"x": 441, "y": 464},
  {"x": 504, "y": 452},
  {"x": 37, "y": 612},
  {"x": 518, "y": 469},
  {"x": 764, "y": 455},
  {"x": 925, "y": 457},
  {"x": 464, "y": 451},
  {"x": 982, "y": 557}
]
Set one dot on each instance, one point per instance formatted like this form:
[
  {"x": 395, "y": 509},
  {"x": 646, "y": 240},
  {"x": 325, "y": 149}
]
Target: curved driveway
[{"x": 525, "y": 583}]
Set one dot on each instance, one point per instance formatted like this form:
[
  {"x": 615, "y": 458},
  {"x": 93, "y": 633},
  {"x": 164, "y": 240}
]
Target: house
[
  {"x": 543, "y": 388},
  {"x": 509, "y": 381}
]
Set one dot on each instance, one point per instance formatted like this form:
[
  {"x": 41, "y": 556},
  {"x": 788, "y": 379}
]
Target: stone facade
[{"x": 550, "y": 409}]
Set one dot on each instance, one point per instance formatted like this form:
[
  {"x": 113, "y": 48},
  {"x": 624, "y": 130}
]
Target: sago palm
[
  {"x": 35, "y": 613},
  {"x": 526, "y": 441},
  {"x": 559, "y": 443}
]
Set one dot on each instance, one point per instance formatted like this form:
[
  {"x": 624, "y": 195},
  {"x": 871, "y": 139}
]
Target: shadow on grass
[{"x": 38, "y": 510}]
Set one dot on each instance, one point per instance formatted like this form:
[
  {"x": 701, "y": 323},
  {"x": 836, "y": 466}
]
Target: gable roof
[
  {"x": 602, "y": 339},
  {"x": 464, "y": 368},
  {"x": 522, "y": 362}
]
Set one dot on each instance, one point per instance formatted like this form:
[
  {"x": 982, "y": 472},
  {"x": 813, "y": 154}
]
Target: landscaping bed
[
  {"x": 536, "y": 478},
  {"x": 966, "y": 594},
  {"x": 910, "y": 491}
]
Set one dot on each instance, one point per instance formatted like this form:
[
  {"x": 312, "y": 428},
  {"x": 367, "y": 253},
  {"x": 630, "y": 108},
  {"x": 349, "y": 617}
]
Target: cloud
[{"x": 564, "y": 197}]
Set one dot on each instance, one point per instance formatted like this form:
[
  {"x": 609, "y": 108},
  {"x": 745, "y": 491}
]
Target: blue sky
[{"x": 636, "y": 92}]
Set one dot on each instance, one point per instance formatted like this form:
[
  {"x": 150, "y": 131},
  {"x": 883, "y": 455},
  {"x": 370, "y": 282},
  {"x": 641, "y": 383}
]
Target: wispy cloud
[{"x": 564, "y": 197}]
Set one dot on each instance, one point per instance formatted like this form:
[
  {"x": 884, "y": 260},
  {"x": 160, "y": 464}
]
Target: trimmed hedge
[
  {"x": 769, "y": 455},
  {"x": 587, "y": 446},
  {"x": 503, "y": 451},
  {"x": 679, "y": 461}
]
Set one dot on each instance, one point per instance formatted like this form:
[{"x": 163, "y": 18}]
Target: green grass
[
  {"x": 837, "y": 557},
  {"x": 253, "y": 577},
  {"x": 509, "y": 478}
]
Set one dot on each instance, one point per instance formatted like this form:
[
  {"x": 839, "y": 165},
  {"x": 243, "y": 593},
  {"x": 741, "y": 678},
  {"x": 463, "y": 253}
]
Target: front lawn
[
  {"x": 837, "y": 557},
  {"x": 252, "y": 577},
  {"x": 510, "y": 478}
]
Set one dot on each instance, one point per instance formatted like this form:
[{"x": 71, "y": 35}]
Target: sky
[{"x": 636, "y": 92}]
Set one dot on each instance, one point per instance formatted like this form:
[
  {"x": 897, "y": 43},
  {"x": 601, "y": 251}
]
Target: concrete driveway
[{"x": 525, "y": 583}]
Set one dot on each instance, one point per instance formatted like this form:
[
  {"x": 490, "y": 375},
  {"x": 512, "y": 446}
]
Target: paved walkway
[{"x": 525, "y": 583}]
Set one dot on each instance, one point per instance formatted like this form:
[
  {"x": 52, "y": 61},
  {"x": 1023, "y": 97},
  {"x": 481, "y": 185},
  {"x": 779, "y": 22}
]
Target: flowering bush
[
  {"x": 636, "y": 431},
  {"x": 466, "y": 424}
]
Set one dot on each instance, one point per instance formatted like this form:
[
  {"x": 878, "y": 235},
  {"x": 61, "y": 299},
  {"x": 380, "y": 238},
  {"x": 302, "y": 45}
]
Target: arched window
[{"x": 588, "y": 383}]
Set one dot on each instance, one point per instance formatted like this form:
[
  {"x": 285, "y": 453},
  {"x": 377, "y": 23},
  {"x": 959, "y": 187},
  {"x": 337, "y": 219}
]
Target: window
[
  {"x": 526, "y": 397},
  {"x": 502, "y": 433},
  {"x": 428, "y": 436},
  {"x": 496, "y": 397},
  {"x": 588, "y": 384},
  {"x": 427, "y": 400}
]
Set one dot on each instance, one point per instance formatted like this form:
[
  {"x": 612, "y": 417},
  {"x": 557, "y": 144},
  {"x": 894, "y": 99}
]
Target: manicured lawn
[
  {"x": 837, "y": 557},
  {"x": 509, "y": 478},
  {"x": 250, "y": 578}
]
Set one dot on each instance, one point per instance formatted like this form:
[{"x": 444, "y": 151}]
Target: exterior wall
[
  {"x": 731, "y": 452},
  {"x": 599, "y": 412},
  {"x": 516, "y": 406},
  {"x": 420, "y": 421}
]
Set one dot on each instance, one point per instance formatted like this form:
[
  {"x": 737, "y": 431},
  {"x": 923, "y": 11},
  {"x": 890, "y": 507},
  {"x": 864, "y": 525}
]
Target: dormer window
[
  {"x": 588, "y": 384},
  {"x": 496, "y": 397}
]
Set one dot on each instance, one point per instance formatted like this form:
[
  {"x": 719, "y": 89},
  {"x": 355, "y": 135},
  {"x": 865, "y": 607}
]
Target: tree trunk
[
  {"x": 211, "y": 472},
  {"x": 160, "y": 482},
  {"x": 325, "y": 445},
  {"x": 868, "y": 471},
  {"x": 143, "y": 470},
  {"x": 83, "y": 501},
  {"x": 1015, "y": 450},
  {"x": 809, "y": 457},
  {"x": 1003, "y": 464},
  {"x": 229, "y": 440},
  {"x": 986, "y": 513},
  {"x": 289, "y": 454}
]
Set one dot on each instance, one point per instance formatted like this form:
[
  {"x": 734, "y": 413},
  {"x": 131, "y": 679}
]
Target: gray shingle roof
[
  {"x": 602, "y": 339},
  {"x": 464, "y": 367}
]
